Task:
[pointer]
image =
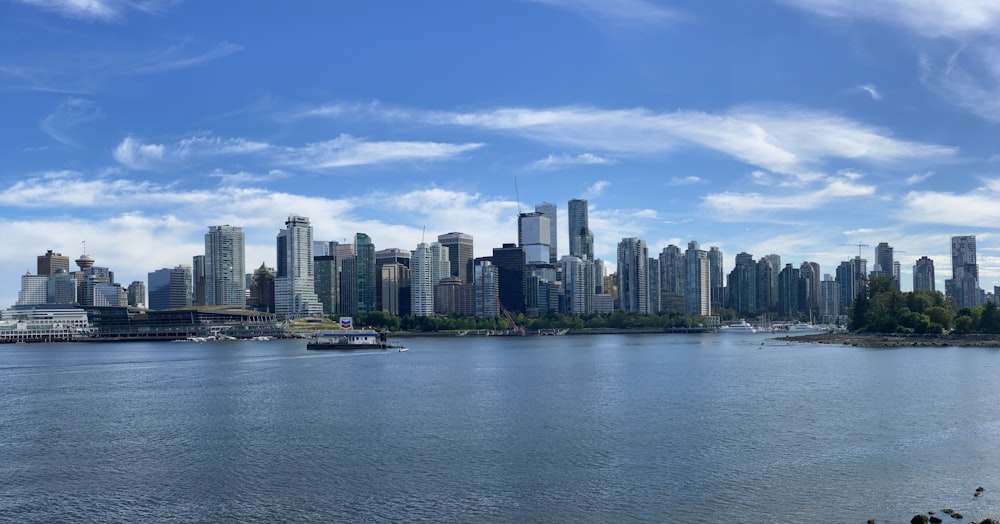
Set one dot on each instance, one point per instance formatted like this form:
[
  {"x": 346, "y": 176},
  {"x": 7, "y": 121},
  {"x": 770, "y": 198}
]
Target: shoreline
[{"x": 896, "y": 340}]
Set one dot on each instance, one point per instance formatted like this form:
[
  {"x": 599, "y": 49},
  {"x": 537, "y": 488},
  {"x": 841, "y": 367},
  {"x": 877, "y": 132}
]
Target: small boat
[
  {"x": 402, "y": 349},
  {"x": 350, "y": 340},
  {"x": 739, "y": 327}
]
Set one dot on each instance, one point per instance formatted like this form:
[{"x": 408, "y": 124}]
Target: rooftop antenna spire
[
  {"x": 518, "y": 195},
  {"x": 422, "y": 231}
]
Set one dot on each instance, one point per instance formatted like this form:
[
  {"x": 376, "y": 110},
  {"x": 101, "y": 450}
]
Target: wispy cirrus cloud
[
  {"x": 870, "y": 89},
  {"x": 732, "y": 206},
  {"x": 968, "y": 78},
  {"x": 595, "y": 189},
  {"x": 71, "y": 113},
  {"x": 918, "y": 178},
  {"x": 621, "y": 11},
  {"x": 175, "y": 57},
  {"x": 99, "y": 10},
  {"x": 343, "y": 151},
  {"x": 931, "y": 18},
  {"x": 554, "y": 162}
]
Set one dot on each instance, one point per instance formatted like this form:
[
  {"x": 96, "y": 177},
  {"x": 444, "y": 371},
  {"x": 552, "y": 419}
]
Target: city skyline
[{"x": 801, "y": 129}]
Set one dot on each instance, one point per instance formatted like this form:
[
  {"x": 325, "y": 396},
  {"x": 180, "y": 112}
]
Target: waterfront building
[
  {"x": 137, "y": 294},
  {"x": 788, "y": 292},
  {"x": 742, "y": 289},
  {"x": 50, "y": 262},
  {"x": 225, "y": 267},
  {"x": 633, "y": 275},
  {"x": 697, "y": 292},
  {"x": 34, "y": 289},
  {"x": 672, "y": 271},
  {"x": 348, "y": 286},
  {"x": 486, "y": 289},
  {"x": 716, "y": 276},
  {"x": 326, "y": 279},
  {"x": 367, "y": 278},
  {"x": 261, "y": 296},
  {"x": 923, "y": 274},
  {"x": 42, "y": 323},
  {"x": 460, "y": 254},
  {"x": 169, "y": 288},
  {"x": 294, "y": 282},
  {"x": 964, "y": 285},
  {"x": 575, "y": 286},
  {"x": 549, "y": 211},
  {"x": 421, "y": 282},
  {"x": 581, "y": 239},
  {"x": 509, "y": 264}
]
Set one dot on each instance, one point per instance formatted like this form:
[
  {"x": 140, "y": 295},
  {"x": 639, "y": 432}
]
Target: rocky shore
[{"x": 893, "y": 340}]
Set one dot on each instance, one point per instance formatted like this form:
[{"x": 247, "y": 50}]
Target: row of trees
[
  {"x": 880, "y": 308},
  {"x": 550, "y": 320}
]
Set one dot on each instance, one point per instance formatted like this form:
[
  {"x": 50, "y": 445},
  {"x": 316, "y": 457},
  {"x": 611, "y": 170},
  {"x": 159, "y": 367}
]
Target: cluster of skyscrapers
[{"x": 315, "y": 277}]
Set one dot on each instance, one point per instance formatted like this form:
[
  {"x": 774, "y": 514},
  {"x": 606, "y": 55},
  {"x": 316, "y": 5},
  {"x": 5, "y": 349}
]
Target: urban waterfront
[{"x": 662, "y": 428}]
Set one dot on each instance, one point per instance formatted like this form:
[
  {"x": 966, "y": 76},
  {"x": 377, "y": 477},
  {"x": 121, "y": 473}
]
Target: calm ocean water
[{"x": 660, "y": 428}]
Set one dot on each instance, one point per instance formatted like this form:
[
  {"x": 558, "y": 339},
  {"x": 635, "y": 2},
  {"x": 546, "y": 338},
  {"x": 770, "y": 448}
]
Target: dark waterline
[{"x": 663, "y": 428}]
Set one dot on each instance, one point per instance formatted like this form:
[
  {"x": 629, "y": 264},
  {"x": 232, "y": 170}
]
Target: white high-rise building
[
  {"x": 534, "y": 237},
  {"x": 294, "y": 283},
  {"x": 441, "y": 267},
  {"x": 225, "y": 267},
  {"x": 33, "y": 290},
  {"x": 697, "y": 281},
  {"x": 550, "y": 212},
  {"x": 422, "y": 282}
]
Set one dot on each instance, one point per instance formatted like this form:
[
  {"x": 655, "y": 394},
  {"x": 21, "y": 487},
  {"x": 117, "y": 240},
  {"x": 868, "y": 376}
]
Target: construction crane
[{"x": 859, "y": 245}]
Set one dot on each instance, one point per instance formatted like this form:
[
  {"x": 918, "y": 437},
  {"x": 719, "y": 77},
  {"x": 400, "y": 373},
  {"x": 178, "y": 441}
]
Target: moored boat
[
  {"x": 351, "y": 339},
  {"x": 738, "y": 327}
]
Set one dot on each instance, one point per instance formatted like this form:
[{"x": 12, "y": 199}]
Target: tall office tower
[
  {"x": 533, "y": 235},
  {"x": 367, "y": 279},
  {"x": 262, "y": 289},
  {"x": 198, "y": 280},
  {"x": 340, "y": 250},
  {"x": 633, "y": 275},
  {"x": 599, "y": 274},
  {"x": 321, "y": 248},
  {"x": 810, "y": 284},
  {"x": 326, "y": 278},
  {"x": 225, "y": 267},
  {"x": 716, "y": 277},
  {"x": 845, "y": 285},
  {"x": 672, "y": 272},
  {"x": 460, "y": 253},
  {"x": 137, "y": 294},
  {"x": 421, "y": 282},
  {"x": 509, "y": 263},
  {"x": 581, "y": 239},
  {"x": 294, "y": 282},
  {"x": 169, "y": 288},
  {"x": 441, "y": 263},
  {"x": 394, "y": 257},
  {"x": 829, "y": 307},
  {"x": 486, "y": 289},
  {"x": 696, "y": 281},
  {"x": 550, "y": 212},
  {"x": 743, "y": 285},
  {"x": 62, "y": 289},
  {"x": 52, "y": 261},
  {"x": 653, "y": 293},
  {"x": 964, "y": 272},
  {"x": 33, "y": 290},
  {"x": 575, "y": 290},
  {"x": 349, "y": 297},
  {"x": 923, "y": 274},
  {"x": 884, "y": 263},
  {"x": 788, "y": 292},
  {"x": 775, "y": 262}
]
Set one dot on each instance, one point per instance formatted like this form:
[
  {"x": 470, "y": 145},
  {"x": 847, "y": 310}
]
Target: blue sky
[{"x": 800, "y": 128}]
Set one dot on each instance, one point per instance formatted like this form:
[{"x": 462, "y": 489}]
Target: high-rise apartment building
[
  {"x": 810, "y": 284},
  {"x": 460, "y": 253},
  {"x": 829, "y": 308},
  {"x": 421, "y": 282},
  {"x": 486, "y": 289},
  {"x": 743, "y": 286},
  {"x": 788, "y": 292},
  {"x": 262, "y": 289},
  {"x": 50, "y": 262},
  {"x": 581, "y": 239},
  {"x": 294, "y": 283},
  {"x": 884, "y": 263},
  {"x": 716, "y": 277},
  {"x": 550, "y": 212},
  {"x": 326, "y": 278},
  {"x": 697, "y": 281},
  {"x": 198, "y": 297},
  {"x": 225, "y": 267},
  {"x": 633, "y": 275},
  {"x": 672, "y": 273},
  {"x": 367, "y": 278},
  {"x": 137, "y": 294},
  {"x": 923, "y": 274},
  {"x": 964, "y": 285}
]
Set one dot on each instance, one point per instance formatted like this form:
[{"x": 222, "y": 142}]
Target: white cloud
[
  {"x": 871, "y": 90},
  {"x": 553, "y": 162},
  {"x": 72, "y": 112},
  {"x": 595, "y": 189},
  {"x": 918, "y": 178},
  {"x": 977, "y": 208},
  {"x": 969, "y": 79},
  {"x": 100, "y": 10},
  {"x": 626, "y": 11},
  {"x": 172, "y": 59},
  {"x": 685, "y": 181},
  {"x": 342, "y": 151},
  {"x": 931, "y": 18},
  {"x": 731, "y": 206}
]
